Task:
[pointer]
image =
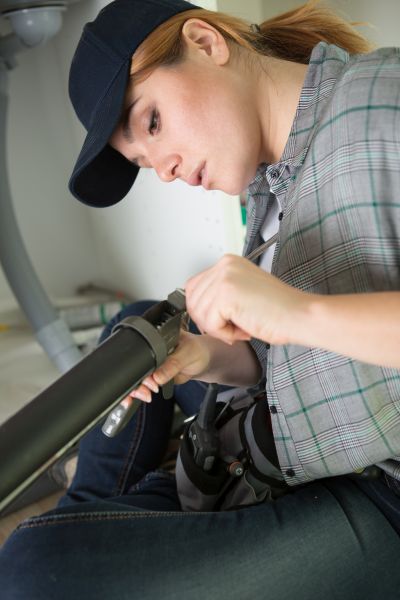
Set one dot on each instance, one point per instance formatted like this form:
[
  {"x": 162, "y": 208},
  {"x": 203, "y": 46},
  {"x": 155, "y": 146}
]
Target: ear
[{"x": 202, "y": 37}]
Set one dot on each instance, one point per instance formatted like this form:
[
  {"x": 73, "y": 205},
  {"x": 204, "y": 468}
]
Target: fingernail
[
  {"x": 153, "y": 386},
  {"x": 126, "y": 402},
  {"x": 159, "y": 378},
  {"x": 140, "y": 396}
]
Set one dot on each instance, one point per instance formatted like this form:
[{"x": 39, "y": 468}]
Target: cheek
[
  {"x": 237, "y": 160},
  {"x": 234, "y": 126},
  {"x": 179, "y": 127}
]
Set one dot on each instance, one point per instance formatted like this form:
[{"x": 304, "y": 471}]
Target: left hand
[{"x": 236, "y": 300}]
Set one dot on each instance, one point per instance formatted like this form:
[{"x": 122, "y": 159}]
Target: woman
[{"x": 312, "y": 129}]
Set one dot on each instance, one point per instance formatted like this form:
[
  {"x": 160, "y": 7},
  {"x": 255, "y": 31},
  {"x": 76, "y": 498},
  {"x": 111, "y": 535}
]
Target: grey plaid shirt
[{"x": 339, "y": 187}]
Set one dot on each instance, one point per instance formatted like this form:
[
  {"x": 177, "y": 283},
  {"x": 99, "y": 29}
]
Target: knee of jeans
[{"x": 132, "y": 310}]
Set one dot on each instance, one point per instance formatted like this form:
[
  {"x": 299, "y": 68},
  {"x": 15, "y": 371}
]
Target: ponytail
[
  {"x": 293, "y": 35},
  {"x": 290, "y": 36}
]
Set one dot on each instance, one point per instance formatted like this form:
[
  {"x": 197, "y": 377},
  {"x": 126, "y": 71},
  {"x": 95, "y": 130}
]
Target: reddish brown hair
[{"x": 289, "y": 36}]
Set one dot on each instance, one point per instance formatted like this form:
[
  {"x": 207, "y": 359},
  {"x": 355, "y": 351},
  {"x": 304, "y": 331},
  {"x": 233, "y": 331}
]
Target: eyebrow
[{"x": 126, "y": 128}]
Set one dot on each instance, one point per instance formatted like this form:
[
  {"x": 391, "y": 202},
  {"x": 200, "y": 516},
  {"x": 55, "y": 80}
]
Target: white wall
[
  {"x": 251, "y": 10},
  {"x": 160, "y": 234},
  {"x": 383, "y": 17},
  {"x": 40, "y": 145}
]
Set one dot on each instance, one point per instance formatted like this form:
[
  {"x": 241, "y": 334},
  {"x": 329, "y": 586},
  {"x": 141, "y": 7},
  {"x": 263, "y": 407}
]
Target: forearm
[
  {"x": 236, "y": 365},
  {"x": 363, "y": 326}
]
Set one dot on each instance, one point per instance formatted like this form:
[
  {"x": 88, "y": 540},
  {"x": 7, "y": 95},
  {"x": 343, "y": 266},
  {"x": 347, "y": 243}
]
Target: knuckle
[
  {"x": 227, "y": 259},
  {"x": 173, "y": 365},
  {"x": 167, "y": 370}
]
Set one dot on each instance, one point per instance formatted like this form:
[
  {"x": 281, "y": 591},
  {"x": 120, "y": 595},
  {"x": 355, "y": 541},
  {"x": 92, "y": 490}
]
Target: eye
[{"x": 154, "y": 123}]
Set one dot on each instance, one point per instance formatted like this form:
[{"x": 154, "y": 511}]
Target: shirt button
[
  {"x": 280, "y": 216},
  {"x": 268, "y": 346},
  {"x": 273, "y": 409},
  {"x": 290, "y": 473},
  {"x": 274, "y": 173}
]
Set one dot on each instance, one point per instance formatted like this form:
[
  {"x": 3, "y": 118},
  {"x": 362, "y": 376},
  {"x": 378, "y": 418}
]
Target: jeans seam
[
  {"x": 96, "y": 517},
  {"x": 133, "y": 449}
]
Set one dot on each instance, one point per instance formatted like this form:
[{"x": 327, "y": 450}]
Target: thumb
[{"x": 168, "y": 370}]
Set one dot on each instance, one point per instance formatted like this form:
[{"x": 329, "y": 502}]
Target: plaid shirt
[{"x": 339, "y": 187}]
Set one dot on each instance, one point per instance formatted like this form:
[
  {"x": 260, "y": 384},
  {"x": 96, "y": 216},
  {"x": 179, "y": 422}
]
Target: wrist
[
  {"x": 308, "y": 320},
  {"x": 235, "y": 365}
]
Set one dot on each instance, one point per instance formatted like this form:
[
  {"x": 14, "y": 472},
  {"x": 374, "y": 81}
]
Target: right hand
[{"x": 190, "y": 359}]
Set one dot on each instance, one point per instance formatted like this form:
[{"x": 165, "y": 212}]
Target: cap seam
[
  {"x": 104, "y": 48},
  {"x": 107, "y": 91}
]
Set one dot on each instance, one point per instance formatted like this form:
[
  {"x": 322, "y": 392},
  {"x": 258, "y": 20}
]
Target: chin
[
  {"x": 234, "y": 185},
  {"x": 238, "y": 185},
  {"x": 232, "y": 189}
]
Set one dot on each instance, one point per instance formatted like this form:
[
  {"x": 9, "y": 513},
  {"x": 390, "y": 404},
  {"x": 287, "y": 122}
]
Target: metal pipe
[{"x": 10, "y": 45}]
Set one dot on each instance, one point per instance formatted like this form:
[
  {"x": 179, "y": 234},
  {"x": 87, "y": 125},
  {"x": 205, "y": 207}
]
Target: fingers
[
  {"x": 211, "y": 298},
  {"x": 238, "y": 335},
  {"x": 202, "y": 301},
  {"x": 168, "y": 370},
  {"x": 228, "y": 332},
  {"x": 190, "y": 359},
  {"x": 151, "y": 384},
  {"x": 144, "y": 391}
]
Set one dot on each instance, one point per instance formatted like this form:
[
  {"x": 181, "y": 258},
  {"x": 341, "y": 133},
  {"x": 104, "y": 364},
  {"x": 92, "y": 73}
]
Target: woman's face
[{"x": 195, "y": 121}]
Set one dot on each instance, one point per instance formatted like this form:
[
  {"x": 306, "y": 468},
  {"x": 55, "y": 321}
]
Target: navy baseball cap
[{"x": 98, "y": 79}]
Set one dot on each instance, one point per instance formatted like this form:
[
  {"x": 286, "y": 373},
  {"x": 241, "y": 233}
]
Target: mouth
[
  {"x": 199, "y": 176},
  {"x": 204, "y": 178}
]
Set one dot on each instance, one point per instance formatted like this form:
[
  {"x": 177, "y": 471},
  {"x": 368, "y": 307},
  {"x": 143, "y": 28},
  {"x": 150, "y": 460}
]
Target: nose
[{"x": 168, "y": 168}]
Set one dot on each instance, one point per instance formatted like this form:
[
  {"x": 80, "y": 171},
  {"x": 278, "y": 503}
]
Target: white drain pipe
[{"x": 51, "y": 332}]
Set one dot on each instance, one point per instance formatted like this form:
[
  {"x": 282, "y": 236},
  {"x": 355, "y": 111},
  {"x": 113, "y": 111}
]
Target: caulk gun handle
[{"x": 206, "y": 415}]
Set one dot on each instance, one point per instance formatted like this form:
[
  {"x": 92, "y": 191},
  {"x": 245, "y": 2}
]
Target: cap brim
[{"x": 102, "y": 176}]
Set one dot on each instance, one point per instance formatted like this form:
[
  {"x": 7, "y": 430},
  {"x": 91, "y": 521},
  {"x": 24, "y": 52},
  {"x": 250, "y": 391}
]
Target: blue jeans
[
  {"x": 119, "y": 533},
  {"x": 326, "y": 541}
]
